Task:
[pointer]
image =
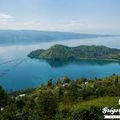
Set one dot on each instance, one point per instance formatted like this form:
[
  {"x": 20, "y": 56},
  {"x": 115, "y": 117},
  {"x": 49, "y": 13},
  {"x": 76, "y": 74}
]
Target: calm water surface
[{"x": 17, "y": 71}]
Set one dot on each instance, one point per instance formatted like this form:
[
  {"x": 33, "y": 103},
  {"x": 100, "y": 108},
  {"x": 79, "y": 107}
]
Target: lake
[{"x": 17, "y": 71}]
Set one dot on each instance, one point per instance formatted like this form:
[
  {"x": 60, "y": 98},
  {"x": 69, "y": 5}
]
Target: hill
[
  {"x": 65, "y": 99},
  {"x": 33, "y": 36},
  {"x": 61, "y": 52}
]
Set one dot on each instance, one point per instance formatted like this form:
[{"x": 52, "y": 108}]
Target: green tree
[
  {"x": 91, "y": 114},
  {"x": 73, "y": 91},
  {"x": 47, "y": 105},
  {"x": 3, "y": 97},
  {"x": 66, "y": 79},
  {"x": 50, "y": 84}
]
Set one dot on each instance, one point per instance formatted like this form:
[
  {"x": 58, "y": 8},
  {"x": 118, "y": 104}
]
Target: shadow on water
[{"x": 61, "y": 63}]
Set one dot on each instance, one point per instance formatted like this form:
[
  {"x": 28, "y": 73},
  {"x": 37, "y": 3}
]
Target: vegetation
[
  {"x": 62, "y": 53},
  {"x": 66, "y": 99}
]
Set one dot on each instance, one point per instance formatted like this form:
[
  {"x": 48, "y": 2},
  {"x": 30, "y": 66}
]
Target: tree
[
  {"x": 60, "y": 93},
  {"x": 73, "y": 91},
  {"x": 3, "y": 97},
  {"x": 66, "y": 79},
  {"x": 58, "y": 83},
  {"x": 50, "y": 84},
  {"x": 47, "y": 105},
  {"x": 92, "y": 113}
]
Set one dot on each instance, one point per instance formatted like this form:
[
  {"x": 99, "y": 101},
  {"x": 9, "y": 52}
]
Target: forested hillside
[
  {"x": 61, "y": 52},
  {"x": 66, "y": 99}
]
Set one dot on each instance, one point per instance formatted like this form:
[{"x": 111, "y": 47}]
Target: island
[{"x": 63, "y": 53}]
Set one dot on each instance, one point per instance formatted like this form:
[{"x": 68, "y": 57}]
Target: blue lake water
[{"x": 17, "y": 71}]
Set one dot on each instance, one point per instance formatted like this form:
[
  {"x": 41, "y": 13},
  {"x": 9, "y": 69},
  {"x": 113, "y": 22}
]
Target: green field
[{"x": 98, "y": 102}]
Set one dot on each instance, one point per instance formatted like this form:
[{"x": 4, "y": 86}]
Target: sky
[{"x": 86, "y": 16}]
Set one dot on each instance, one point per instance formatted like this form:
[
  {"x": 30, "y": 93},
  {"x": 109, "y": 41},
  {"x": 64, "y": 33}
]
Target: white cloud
[
  {"x": 72, "y": 26},
  {"x": 5, "y": 17}
]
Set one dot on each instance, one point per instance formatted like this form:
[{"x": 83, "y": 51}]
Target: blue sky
[{"x": 91, "y": 16}]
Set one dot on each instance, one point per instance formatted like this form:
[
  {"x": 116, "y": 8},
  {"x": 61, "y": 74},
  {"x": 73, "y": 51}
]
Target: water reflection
[{"x": 85, "y": 62}]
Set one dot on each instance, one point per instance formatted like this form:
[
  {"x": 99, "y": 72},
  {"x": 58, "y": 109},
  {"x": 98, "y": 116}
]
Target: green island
[
  {"x": 62, "y": 53},
  {"x": 65, "y": 99}
]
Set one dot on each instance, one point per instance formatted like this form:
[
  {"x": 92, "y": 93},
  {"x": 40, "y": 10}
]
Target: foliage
[
  {"x": 63, "y": 53},
  {"x": 66, "y": 99},
  {"x": 3, "y": 97}
]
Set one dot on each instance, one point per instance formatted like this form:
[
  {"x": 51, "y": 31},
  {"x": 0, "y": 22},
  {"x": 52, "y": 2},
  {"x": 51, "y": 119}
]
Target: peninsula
[{"x": 61, "y": 52}]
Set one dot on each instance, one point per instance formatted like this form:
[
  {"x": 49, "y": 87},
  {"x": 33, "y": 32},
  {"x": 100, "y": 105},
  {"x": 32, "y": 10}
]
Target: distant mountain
[
  {"x": 61, "y": 52},
  {"x": 32, "y": 36}
]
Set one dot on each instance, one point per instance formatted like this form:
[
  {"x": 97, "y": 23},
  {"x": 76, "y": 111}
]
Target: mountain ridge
[{"x": 33, "y": 36}]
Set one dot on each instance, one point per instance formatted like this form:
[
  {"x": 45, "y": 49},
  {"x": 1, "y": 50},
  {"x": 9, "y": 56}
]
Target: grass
[{"x": 98, "y": 102}]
